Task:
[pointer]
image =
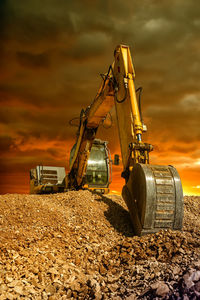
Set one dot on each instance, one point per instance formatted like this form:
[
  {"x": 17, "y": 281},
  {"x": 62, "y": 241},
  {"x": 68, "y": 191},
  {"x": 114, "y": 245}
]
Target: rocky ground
[{"x": 80, "y": 245}]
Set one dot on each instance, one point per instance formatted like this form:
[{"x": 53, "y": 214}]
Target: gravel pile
[{"x": 81, "y": 245}]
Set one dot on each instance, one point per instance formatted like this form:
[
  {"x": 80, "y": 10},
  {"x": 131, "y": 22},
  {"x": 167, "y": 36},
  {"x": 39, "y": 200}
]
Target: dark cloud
[
  {"x": 178, "y": 122},
  {"x": 7, "y": 144},
  {"x": 89, "y": 45},
  {"x": 33, "y": 60}
]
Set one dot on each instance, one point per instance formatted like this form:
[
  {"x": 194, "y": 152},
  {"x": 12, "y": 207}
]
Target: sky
[{"x": 51, "y": 55}]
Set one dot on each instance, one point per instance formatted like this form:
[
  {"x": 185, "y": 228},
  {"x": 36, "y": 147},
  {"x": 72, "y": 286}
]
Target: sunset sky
[{"x": 51, "y": 55}]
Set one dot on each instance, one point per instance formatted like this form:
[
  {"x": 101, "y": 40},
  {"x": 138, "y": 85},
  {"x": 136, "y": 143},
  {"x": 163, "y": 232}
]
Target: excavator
[{"x": 152, "y": 193}]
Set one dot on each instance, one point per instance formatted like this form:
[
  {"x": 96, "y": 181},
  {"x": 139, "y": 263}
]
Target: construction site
[{"x": 99, "y": 190}]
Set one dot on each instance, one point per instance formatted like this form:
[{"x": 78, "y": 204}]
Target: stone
[
  {"x": 8, "y": 279},
  {"x": 18, "y": 289},
  {"x": 197, "y": 286},
  {"x": 34, "y": 281},
  {"x": 75, "y": 286},
  {"x": 131, "y": 297},
  {"x": 188, "y": 281},
  {"x": 53, "y": 271},
  {"x": 113, "y": 287},
  {"x": 155, "y": 285},
  {"x": 195, "y": 276},
  {"x": 34, "y": 270},
  {"x": 176, "y": 270},
  {"x": 3, "y": 287},
  {"x": 102, "y": 270},
  {"x": 69, "y": 294},
  {"x": 40, "y": 277},
  {"x": 50, "y": 289},
  {"x": 30, "y": 290},
  {"x": 13, "y": 283},
  {"x": 50, "y": 256},
  {"x": 162, "y": 290}
]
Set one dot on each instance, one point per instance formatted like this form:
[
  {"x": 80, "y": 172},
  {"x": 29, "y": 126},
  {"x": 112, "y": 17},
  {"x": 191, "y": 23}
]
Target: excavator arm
[
  {"x": 89, "y": 123},
  {"x": 118, "y": 82},
  {"x": 152, "y": 193}
]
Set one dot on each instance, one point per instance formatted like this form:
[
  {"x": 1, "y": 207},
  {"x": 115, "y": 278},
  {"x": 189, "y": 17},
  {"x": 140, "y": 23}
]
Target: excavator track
[{"x": 154, "y": 198}]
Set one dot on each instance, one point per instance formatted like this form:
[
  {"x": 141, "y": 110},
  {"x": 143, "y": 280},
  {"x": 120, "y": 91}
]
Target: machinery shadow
[{"x": 117, "y": 216}]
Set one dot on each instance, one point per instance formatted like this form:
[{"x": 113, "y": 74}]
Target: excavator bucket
[{"x": 154, "y": 198}]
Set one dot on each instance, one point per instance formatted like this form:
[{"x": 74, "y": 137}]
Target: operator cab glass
[
  {"x": 98, "y": 170},
  {"x": 97, "y": 166}
]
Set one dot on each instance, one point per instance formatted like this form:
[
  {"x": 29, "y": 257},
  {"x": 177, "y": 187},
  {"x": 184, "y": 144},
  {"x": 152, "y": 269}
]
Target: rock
[
  {"x": 131, "y": 297},
  {"x": 50, "y": 289},
  {"x": 102, "y": 270},
  {"x": 69, "y": 294},
  {"x": 188, "y": 281},
  {"x": 34, "y": 281},
  {"x": 53, "y": 271},
  {"x": 40, "y": 277},
  {"x": 162, "y": 290},
  {"x": 50, "y": 256},
  {"x": 3, "y": 287},
  {"x": 18, "y": 290},
  {"x": 34, "y": 270},
  {"x": 8, "y": 279},
  {"x": 195, "y": 276},
  {"x": 30, "y": 290},
  {"x": 75, "y": 286},
  {"x": 113, "y": 287},
  {"x": 155, "y": 285},
  {"x": 13, "y": 283},
  {"x": 1, "y": 220},
  {"x": 176, "y": 270},
  {"x": 113, "y": 279},
  {"x": 197, "y": 286}
]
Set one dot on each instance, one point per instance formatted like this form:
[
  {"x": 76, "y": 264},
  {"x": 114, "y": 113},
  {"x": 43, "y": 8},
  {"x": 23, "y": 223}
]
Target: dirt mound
[{"x": 81, "y": 245}]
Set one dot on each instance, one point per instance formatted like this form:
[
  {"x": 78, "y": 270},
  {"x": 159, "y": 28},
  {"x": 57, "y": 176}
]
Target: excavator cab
[{"x": 99, "y": 167}]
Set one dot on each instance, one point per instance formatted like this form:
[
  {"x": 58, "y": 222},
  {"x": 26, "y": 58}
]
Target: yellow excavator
[{"x": 153, "y": 193}]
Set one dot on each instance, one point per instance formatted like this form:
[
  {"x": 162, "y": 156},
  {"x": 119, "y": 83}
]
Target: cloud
[
  {"x": 51, "y": 56},
  {"x": 7, "y": 143},
  {"x": 88, "y": 45},
  {"x": 26, "y": 59},
  {"x": 176, "y": 123}
]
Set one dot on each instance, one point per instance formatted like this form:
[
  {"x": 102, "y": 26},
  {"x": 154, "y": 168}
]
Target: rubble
[{"x": 81, "y": 245}]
